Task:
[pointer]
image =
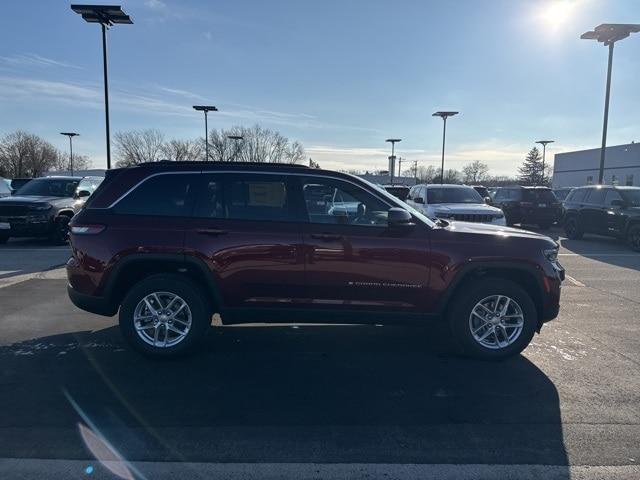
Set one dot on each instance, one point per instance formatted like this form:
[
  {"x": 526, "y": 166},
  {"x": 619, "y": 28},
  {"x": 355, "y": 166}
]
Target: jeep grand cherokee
[{"x": 169, "y": 244}]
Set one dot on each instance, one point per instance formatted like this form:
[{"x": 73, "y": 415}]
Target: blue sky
[{"x": 338, "y": 75}]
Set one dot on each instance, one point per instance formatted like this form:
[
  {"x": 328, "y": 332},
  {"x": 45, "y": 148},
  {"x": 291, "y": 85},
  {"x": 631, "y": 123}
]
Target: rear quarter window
[{"x": 167, "y": 195}]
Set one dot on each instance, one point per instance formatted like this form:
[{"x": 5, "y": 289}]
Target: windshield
[
  {"x": 398, "y": 203},
  {"x": 49, "y": 187},
  {"x": 453, "y": 195},
  {"x": 632, "y": 197}
]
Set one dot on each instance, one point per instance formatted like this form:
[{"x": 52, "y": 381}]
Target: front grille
[
  {"x": 13, "y": 210},
  {"x": 473, "y": 217}
]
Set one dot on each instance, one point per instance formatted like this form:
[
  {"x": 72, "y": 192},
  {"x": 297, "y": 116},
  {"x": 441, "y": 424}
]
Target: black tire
[
  {"x": 572, "y": 229},
  {"x": 177, "y": 285},
  {"x": 469, "y": 296},
  {"x": 633, "y": 237},
  {"x": 60, "y": 233},
  {"x": 3, "y": 239}
]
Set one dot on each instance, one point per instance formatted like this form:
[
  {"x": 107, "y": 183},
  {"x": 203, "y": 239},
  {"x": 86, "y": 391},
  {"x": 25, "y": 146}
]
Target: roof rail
[{"x": 217, "y": 163}]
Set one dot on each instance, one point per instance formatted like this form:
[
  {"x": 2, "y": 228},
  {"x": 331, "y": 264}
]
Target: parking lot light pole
[
  {"x": 444, "y": 116},
  {"x": 608, "y": 34},
  {"x": 70, "y": 135},
  {"x": 544, "y": 144},
  {"x": 236, "y": 140},
  {"x": 206, "y": 109},
  {"x": 392, "y": 158},
  {"x": 106, "y": 16}
]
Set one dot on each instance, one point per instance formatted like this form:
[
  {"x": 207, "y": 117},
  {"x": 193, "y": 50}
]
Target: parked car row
[{"x": 43, "y": 207}]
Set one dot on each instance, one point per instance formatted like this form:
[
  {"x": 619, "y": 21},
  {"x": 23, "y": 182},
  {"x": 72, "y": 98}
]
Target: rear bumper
[{"x": 90, "y": 303}]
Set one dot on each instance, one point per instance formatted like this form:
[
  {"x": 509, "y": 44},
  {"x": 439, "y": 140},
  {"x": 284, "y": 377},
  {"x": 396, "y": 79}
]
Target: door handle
[
  {"x": 213, "y": 232},
  {"x": 326, "y": 236}
]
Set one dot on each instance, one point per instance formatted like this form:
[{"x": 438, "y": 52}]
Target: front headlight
[{"x": 551, "y": 254}]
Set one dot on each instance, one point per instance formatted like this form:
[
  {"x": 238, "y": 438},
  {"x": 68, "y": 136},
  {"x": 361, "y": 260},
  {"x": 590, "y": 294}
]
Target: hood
[
  {"x": 498, "y": 230},
  {"x": 464, "y": 208}
]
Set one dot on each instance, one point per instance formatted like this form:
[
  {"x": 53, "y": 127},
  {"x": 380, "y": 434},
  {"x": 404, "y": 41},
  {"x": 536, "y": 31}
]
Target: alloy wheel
[
  {"x": 162, "y": 319},
  {"x": 496, "y": 321}
]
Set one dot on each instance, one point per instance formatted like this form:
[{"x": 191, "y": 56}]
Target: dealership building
[{"x": 621, "y": 166}]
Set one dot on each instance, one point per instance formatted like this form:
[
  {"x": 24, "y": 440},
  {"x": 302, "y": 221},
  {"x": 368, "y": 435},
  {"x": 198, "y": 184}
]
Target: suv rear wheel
[
  {"x": 164, "y": 315},
  {"x": 572, "y": 229},
  {"x": 493, "y": 320}
]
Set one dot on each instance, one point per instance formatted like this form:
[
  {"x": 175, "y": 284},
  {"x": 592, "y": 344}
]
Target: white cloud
[
  {"x": 35, "y": 60},
  {"x": 155, "y": 4}
]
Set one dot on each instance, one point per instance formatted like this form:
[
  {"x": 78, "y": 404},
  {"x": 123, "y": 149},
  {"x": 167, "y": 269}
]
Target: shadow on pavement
[{"x": 279, "y": 394}]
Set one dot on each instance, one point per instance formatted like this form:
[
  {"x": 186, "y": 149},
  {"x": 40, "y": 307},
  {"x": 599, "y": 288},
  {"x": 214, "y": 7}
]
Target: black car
[
  {"x": 41, "y": 208},
  {"x": 604, "y": 210},
  {"x": 18, "y": 183},
  {"x": 561, "y": 193},
  {"x": 528, "y": 205},
  {"x": 398, "y": 191},
  {"x": 483, "y": 191}
]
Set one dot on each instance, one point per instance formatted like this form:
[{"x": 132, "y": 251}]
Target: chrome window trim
[{"x": 212, "y": 172}]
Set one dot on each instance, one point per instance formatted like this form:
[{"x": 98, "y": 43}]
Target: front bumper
[{"x": 27, "y": 226}]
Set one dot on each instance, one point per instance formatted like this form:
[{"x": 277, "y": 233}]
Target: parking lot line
[
  {"x": 577, "y": 283},
  {"x": 595, "y": 254}
]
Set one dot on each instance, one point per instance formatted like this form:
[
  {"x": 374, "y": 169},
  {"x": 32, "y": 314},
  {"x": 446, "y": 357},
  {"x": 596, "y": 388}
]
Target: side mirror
[
  {"x": 418, "y": 200},
  {"x": 618, "y": 203},
  {"x": 83, "y": 193},
  {"x": 399, "y": 217},
  {"x": 487, "y": 200}
]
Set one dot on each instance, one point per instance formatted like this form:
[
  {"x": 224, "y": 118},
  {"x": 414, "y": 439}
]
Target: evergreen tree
[{"x": 530, "y": 172}]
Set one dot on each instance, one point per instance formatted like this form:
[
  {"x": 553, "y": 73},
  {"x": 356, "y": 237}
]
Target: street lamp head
[
  {"x": 544, "y": 142},
  {"x": 609, "y": 33},
  {"x": 393, "y": 140},
  {"x": 235, "y": 137},
  {"x": 205, "y": 108},
  {"x": 106, "y": 15},
  {"x": 444, "y": 115},
  {"x": 70, "y": 134}
]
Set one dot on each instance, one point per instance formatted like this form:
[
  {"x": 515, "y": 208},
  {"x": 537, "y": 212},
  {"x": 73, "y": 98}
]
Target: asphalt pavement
[{"x": 325, "y": 402}]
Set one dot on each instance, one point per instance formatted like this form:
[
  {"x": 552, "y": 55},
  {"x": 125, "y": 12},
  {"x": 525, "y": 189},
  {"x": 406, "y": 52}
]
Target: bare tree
[
  {"x": 258, "y": 144},
  {"x": 427, "y": 174},
  {"x": 475, "y": 172},
  {"x": 24, "y": 154},
  {"x": 138, "y": 146},
  {"x": 80, "y": 162},
  {"x": 179, "y": 150}
]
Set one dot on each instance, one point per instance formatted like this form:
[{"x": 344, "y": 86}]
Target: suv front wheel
[
  {"x": 164, "y": 315},
  {"x": 494, "y": 319}
]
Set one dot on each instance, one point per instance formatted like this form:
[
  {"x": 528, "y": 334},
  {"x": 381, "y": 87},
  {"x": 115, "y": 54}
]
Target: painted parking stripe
[
  {"x": 599, "y": 255},
  {"x": 577, "y": 283}
]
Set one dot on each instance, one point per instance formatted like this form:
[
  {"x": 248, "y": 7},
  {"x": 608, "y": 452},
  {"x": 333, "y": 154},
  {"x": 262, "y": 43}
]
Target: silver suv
[{"x": 454, "y": 202}]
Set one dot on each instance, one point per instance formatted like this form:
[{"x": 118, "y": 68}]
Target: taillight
[{"x": 87, "y": 229}]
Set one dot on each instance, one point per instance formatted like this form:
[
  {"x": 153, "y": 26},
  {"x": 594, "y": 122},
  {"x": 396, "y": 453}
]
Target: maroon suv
[{"x": 169, "y": 244}]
